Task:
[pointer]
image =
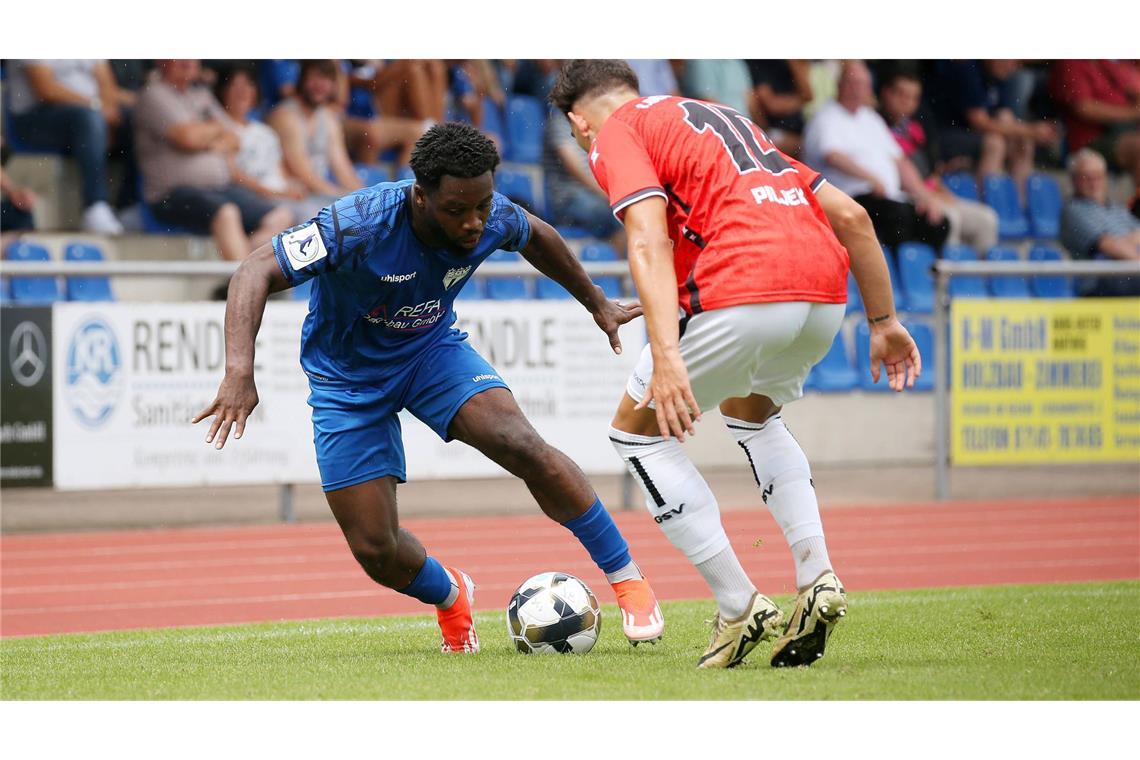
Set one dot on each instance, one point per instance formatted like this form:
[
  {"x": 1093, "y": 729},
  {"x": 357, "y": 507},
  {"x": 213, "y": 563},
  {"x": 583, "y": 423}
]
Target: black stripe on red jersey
[
  {"x": 694, "y": 291},
  {"x": 694, "y": 237},
  {"x": 677, "y": 199},
  {"x": 634, "y": 197},
  {"x": 815, "y": 186}
]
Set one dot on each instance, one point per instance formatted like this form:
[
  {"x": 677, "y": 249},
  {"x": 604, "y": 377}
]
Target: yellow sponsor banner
[{"x": 1039, "y": 381}]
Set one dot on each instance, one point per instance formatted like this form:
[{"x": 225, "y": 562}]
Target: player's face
[{"x": 458, "y": 210}]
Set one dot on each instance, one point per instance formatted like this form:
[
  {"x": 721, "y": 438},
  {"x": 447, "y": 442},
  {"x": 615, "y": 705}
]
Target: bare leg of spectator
[
  {"x": 228, "y": 233},
  {"x": 367, "y": 139},
  {"x": 992, "y": 159},
  {"x": 272, "y": 223}
]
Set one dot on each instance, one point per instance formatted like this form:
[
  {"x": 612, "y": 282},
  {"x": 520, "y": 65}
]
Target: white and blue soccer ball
[{"x": 554, "y": 612}]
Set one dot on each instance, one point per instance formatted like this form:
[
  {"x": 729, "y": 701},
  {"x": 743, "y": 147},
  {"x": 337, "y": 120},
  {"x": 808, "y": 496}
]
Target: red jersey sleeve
[
  {"x": 622, "y": 167},
  {"x": 810, "y": 176}
]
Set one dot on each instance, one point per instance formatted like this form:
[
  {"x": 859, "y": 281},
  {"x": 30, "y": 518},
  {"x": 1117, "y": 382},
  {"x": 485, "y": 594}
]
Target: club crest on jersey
[
  {"x": 303, "y": 246},
  {"x": 454, "y": 275}
]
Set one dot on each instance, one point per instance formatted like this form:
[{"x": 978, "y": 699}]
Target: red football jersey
[{"x": 745, "y": 223}]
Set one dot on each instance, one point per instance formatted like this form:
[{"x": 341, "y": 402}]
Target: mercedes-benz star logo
[{"x": 27, "y": 350}]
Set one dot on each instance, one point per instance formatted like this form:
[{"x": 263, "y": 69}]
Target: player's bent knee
[{"x": 374, "y": 551}]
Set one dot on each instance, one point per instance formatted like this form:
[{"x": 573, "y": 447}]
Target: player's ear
[{"x": 578, "y": 123}]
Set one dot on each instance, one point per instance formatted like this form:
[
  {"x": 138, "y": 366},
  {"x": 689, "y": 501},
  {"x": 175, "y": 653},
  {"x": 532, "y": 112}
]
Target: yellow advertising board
[{"x": 1038, "y": 381}]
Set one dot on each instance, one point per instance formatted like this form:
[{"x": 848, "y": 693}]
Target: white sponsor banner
[{"x": 128, "y": 378}]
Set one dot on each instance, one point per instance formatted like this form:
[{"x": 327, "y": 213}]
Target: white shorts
[{"x": 763, "y": 348}]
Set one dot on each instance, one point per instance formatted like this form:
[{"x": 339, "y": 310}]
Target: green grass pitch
[{"x": 1007, "y": 642}]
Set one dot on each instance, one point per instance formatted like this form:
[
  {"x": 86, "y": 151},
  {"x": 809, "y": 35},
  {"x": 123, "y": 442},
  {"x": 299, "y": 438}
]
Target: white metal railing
[{"x": 944, "y": 270}]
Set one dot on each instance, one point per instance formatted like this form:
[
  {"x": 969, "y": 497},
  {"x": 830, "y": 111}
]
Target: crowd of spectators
[{"x": 222, "y": 148}]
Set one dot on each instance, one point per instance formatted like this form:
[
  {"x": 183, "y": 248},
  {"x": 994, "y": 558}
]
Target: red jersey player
[{"x": 740, "y": 255}]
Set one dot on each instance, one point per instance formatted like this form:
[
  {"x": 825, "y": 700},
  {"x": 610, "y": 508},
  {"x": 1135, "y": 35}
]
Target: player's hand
[
  {"x": 892, "y": 346},
  {"x": 611, "y": 315},
  {"x": 236, "y": 399},
  {"x": 669, "y": 387}
]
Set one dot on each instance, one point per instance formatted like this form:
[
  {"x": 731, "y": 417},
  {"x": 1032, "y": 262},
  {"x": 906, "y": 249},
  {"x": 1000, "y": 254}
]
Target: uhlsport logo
[{"x": 94, "y": 372}]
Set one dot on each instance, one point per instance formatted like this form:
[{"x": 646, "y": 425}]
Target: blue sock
[
  {"x": 431, "y": 586},
  {"x": 597, "y": 532}
]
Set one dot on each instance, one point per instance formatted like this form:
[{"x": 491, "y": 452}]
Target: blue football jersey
[{"x": 380, "y": 296}]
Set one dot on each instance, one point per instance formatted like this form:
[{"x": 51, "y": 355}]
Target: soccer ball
[{"x": 554, "y": 612}]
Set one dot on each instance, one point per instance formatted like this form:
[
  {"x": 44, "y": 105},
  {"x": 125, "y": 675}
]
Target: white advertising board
[{"x": 128, "y": 378}]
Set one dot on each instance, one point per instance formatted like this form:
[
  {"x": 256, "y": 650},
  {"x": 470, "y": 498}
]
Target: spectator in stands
[
  {"x": 852, "y": 146},
  {"x": 1100, "y": 102},
  {"x": 974, "y": 103},
  {"x": 185, "y": 147},
  {"x": 780, "y": 90},
  {"x": 532, "y": 76},
  {"x": 311, "y": 135},
  {"x": 412, "y": 89},
  {"x": 16, "y": 201},
  {"x": 73, "y": 106},
  {"x": 1093, "y": 228},
  {"x": 469, "y": 82},
  {"x": 655, "y": 76},
  {"x": 972, "y": 223},
  {"x": 259, "y": 163},
  {"x": 720, "y": 80},
  {"x": 574, "y": 197}
]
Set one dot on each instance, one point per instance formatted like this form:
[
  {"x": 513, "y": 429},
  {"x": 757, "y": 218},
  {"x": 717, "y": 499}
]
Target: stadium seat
[
  {"x": 274, "y": 74},
  {"x": 5, "y": 291},
  {"x": 549, "y": 290},
  {"x": 962, "y": 184},
  {"x": 473, "y": 290},
  {"x": 610, "y": 284},
  {"x": 96, "y": 288},
  {"x": 405, "y": 172},
  {"x": 505, "y": 289},
  {"x": 896, "y": 284},
  {"x": 33, "y": 291},
  {"x": 915, "y": 260},
  {"x": 573, "y": 233},
  {"x": 1001, "y": 195},
  {"x": 964, "y": 286},
  {"x": 372, "y": 174},
  {"x": 854, "y": 299},
  {"x": 1007, "y": 287},
  {"x": 834, "y": 371},
  {"x": 924, "y": 339},
  {"x": 526, "y": 120},
  {"x": 493, "y": 123},
  {"x": 516, "y": 186},
  {"x": 1043, "y": 197},
  {"x": 863, "y": 361},
  {"x": 1050, "y": 287}
]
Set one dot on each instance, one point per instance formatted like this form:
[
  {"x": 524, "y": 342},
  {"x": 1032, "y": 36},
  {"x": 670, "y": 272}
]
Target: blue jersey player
[{"x": 386, "y": 263}]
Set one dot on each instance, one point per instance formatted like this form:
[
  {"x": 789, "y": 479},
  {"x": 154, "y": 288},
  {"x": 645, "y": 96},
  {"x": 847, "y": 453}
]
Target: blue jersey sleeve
[
  {"x": 340, "y": 236},
  {"x": 509, "y": 222}
]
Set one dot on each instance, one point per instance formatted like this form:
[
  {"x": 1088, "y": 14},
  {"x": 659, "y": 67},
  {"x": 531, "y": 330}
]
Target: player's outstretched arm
[
  {"x": 891, "y": 344},
  {"x": 651, "y": 264},
  {"x": 255, "y": 279},
  {"x": 548, "y": 253}
]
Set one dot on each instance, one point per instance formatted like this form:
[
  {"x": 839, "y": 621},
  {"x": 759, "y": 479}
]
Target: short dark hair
[
  {"x": 326, "y": 68},
  {"x": 898, "y": 73},
  {"x": 455, "y": 149},
  {"x": 226, "y": 77},
  {"x": 587, "y": 77}
]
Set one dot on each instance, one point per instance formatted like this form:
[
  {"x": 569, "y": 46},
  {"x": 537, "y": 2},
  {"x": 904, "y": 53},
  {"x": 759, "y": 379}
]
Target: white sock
[
  {"x": 784, "y": 476},
  {"x": 811, "y": 560},
  {"x": 630, "y": 572},
  {"x": 683, "y": 505},
  {"x": 730, "y": 585},
  {"x": 453, "y": 595}
]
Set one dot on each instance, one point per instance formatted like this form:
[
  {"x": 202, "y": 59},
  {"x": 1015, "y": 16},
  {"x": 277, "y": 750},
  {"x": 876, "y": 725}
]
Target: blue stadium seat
[
  {"x": 610, "y": 284},
  {"x": 962, "y": 184},
  {"x": 854, "y": 299},
  {"x": 964, "y": 286},
  {"x": 549, "y": 290},
  {"x": 473, "y": 290},
  {"x": 516, "y": 186},
  {"x": 1043, "y": 197},
  {"x": 896, "y": 284},
  {"x": 5, "y": 291},
  {"x": 526, "y": 120},
  {"x": 834, "y": 371},
  {"x": 33, "y": 291},
  {"x": 493, "y": 123},
  {"x": 505, "y": 289},
  {"x": 924, "y": 339},
  {"x": 96, "y": 288},
  {"x": 863, "y": 361},
  {"x": 1050, "y": 287},
  {"x": 1007, "y": 287},
  {"x": 915, "y": 260},
  {"x": 274, "y": 74},
  {"x": 372, "y": 174},
  {"x": 405, "y": 172},
  {"x": 573, "y": 233},
  {"x": 1001, "y": 195}
]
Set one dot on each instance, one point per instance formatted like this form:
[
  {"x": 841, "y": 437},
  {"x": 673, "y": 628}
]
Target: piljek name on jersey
[{"x": 379, "y": 294}]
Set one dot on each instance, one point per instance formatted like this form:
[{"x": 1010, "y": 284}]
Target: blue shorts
[{"x": 356, "y": 429}]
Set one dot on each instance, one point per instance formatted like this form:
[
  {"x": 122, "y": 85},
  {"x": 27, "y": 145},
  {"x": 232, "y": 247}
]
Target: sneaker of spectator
[
  {"x": 74, "y": 106},
  {"x": 780, "y": 91},
  {"x": 186, "y": 147},
  {"x": 900, "y": 96},
  {"x": 719, "y": 80},
  {"x": 851, "y": 145},
  {"x": 1094, "y": 228},
  {"x": 1100, "y": 105},
  {"x": 973, "y": 101}
]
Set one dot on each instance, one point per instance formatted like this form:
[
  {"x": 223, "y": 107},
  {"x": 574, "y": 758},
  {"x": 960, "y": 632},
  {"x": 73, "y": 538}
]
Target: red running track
[{"x": 71, "y": 582}]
